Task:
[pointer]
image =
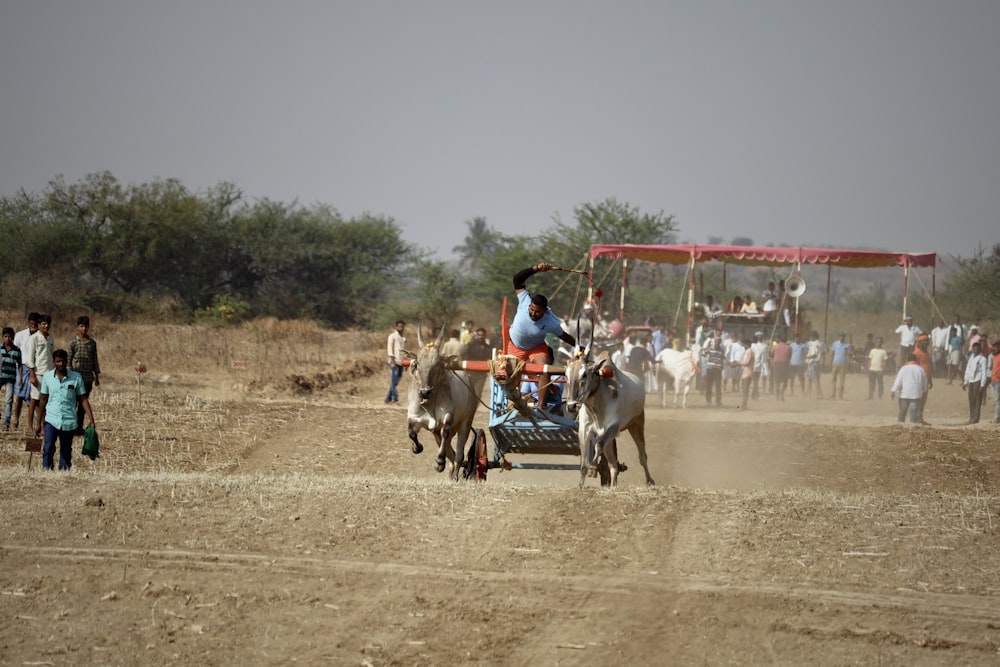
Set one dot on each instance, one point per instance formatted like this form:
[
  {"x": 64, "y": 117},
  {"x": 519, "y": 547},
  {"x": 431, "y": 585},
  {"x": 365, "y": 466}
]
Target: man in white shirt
[
  {"x": 911, "y": 385},
  {"x": 394, "y": 350},
  {"x": 977, "y": 376},
  {"x": 38, "y": 359},
  {"x": 939, "y": 348},
  {"x": 908, "y": 333},
  {"x": 734, "y": 355},
  {"x": 877, "y": 356}
]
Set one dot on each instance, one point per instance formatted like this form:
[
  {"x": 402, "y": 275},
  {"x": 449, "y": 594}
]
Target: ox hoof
[
  {"x": 440, "y": 464},
  {"x": 417, "y": 448}
]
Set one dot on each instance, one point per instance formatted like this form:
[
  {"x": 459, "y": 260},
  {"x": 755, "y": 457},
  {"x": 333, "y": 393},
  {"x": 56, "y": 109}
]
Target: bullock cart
[{"x": 518, "y": 429}]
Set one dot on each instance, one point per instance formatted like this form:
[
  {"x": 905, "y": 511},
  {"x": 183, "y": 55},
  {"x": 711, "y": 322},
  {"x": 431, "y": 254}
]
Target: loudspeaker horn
[{"x": 795, "y": 287}]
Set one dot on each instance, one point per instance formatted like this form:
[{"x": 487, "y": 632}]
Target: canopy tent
[{"x": 691, "y": 254}]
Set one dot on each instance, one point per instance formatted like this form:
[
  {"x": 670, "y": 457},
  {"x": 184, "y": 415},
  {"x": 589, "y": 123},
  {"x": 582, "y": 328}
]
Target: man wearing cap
[
  {"x": 533, "y": 321},
  {"x": 908, "y": 333},
  {"x": 923, "y": 356},
  {"x": 841, "y": 353}
]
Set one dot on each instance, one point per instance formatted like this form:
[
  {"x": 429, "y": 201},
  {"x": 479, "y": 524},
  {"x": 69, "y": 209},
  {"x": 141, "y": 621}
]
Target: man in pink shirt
[{"x": 781, "y": 355}]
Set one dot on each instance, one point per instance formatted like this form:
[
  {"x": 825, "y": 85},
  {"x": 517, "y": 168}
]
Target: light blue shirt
[
  {"x": 525, "y": 332},
  {"x": 841, "y": 348},
  {"x": 798, "y": 354},
  {"x": 60, "y": 410}
]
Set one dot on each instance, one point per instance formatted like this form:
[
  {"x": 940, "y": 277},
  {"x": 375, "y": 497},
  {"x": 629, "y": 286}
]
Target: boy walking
[
  {"x": 60, "y": 391},
  {"x": 38, "y": 359},
  {"x": 83, "y": 360},
  {"x": 22, "y": 389},
  {"x": 10, "y": 370}
]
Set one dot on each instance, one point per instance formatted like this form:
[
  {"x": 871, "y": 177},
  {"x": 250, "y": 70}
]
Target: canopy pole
[
  {"x": 621, "y": 299},
  {"x": 690, "y": 299},
  {"x": 906, "y": 283},
  {"x": 826, "y": 314},
  {"x": 798, "y": 272},
  {"x": 590, "y": 285},
  {"x": 725, "y": 296}
]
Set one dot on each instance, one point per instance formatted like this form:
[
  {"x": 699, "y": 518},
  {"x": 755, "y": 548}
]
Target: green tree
[
  {"x": 439, "y": 295},
  {"x": 609, "y": 221},
  {"x": 973, "y": 289},
  {"x": 479, "y": 243}
]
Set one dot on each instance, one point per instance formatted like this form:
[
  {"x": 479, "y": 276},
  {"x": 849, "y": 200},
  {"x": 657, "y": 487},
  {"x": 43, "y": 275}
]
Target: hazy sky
[{"x": 835, "y": 122}]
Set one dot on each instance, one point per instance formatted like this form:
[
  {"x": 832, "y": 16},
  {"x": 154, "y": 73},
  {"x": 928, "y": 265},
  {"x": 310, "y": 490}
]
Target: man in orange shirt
[{"x": 924, "y": 361}]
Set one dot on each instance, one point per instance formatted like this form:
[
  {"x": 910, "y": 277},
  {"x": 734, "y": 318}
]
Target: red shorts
[{"x": 527, "y": 355}]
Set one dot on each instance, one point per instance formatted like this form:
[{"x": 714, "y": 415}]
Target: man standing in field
[
  {"x": 976, "y": 378},
  {"x": 995, "y": 382},
  {"x": 39, "y": 361},
  {"x": 910, "y": 384},
  {"x": 533, "y": 321},
  {"x": 924, "y": 361},
  {"x": 83, "y": 360},
  {"x": 908, "y": 333},
  {"x": 939, "y": 348},
  {"x": 22, "y": 388},
  {"x": 841, "y": 353},
  {"x": 877, "y": 357},
  {"x": 10, "y": 369},
  {"x": 394, "y": 349}
]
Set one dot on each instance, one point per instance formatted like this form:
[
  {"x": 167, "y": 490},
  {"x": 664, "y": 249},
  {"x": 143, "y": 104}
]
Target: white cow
[
  {"x": 442, "y": 401},
  {"x": 607, "y": 400},
  {"x": 681, "y": 368}
]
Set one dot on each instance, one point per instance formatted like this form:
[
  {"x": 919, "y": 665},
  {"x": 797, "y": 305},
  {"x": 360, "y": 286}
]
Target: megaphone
[{"x": 795, "y": 287}]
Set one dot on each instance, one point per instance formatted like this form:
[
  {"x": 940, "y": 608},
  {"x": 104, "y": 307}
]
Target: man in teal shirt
[{"x": 59, "y": 392}]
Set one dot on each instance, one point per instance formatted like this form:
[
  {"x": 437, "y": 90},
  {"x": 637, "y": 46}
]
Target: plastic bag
[{"x": 91, "y": 443}]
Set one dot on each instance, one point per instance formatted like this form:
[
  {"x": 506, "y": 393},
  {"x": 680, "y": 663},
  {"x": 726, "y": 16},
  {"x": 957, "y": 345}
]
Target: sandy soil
[{"x": 223, "y": 527}]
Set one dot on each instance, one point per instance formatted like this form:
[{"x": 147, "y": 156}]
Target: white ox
[
  {"x": 442, "y": 401},
  {"x": 607, "y": 401},
  {"x": 681, "y": 368}
]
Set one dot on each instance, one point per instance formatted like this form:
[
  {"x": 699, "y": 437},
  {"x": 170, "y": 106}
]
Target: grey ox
[
  {"x": 607, "y": 400},
  {"x": 441, "y": 400}
]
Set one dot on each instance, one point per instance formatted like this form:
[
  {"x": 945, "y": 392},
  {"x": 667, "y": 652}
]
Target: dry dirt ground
[{"x": 227, "y": 525}]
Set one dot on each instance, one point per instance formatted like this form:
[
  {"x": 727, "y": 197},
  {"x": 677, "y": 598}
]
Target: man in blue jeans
[
  {"x": 394, "y": 349},
  {"x": 59, "y": 392}
]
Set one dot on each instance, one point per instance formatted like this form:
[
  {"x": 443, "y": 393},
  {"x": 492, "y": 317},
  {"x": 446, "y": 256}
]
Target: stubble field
[{"x": 259, "y": 504}]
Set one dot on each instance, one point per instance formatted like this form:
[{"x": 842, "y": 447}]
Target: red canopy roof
[{"x": 761, "y": 255}]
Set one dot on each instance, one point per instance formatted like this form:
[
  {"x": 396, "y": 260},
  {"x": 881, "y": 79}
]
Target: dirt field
[{"x": 227, "y": 523}]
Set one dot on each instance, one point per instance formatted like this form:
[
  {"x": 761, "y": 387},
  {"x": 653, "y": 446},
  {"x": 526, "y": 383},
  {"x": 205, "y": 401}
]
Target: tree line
[{"x": 160, "y": 251}]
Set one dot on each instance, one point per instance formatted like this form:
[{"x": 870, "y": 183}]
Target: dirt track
[{"x": 803, "y": 532}]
